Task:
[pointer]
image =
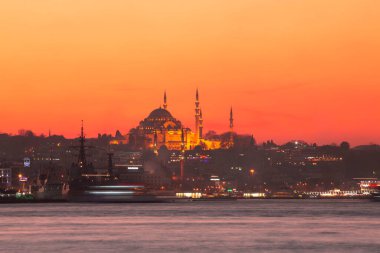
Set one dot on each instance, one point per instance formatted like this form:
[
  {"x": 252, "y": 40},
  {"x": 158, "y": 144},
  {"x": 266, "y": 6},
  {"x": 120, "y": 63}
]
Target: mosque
[{"x": 160, "y": 129}]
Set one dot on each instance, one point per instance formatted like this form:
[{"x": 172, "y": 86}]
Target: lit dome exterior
[
  {"x": 161, "y": 129},
  {"x": 160, "y": 113},
  {"x": 158, "y": 120}
]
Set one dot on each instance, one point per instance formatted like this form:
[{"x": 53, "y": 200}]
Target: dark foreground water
[{"x": 241, "y": 226}]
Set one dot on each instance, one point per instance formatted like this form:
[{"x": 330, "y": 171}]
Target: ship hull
[
  {"x": 88, "y": 198},
  {"x": 111, "y": 192},
  {"x": 52, "y": 192},
  {"x": 376, "y": 196}
]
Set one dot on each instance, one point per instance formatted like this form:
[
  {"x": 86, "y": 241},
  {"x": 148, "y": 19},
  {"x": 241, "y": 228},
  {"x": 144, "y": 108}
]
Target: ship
[
  {"x": 104, "y": 188},
  {"x": 88, "y": 186},
  {"x": 376, "y": 191},
  {"x": 52, "y": 192},
  {"x": 52, "y": 186}
]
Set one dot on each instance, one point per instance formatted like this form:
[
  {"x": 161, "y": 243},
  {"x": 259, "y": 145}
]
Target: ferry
[
  {"x": 87, "y": 186},
  {"x": 376, "y": 191},
  {"x": 102, "y": 188},
  {"x": 197, "y": 196}
]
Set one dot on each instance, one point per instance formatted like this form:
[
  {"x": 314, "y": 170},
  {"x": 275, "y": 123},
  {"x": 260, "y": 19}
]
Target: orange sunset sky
[{"x": 291, "y": 69}]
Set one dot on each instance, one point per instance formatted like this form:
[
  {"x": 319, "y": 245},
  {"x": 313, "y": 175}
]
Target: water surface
[{"x": 232, "y": 226}]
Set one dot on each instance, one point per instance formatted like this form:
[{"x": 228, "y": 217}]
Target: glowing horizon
[{"x": 290, "y": 69}]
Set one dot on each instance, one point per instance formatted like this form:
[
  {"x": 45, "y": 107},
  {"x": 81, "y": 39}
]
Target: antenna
[{"x": 82, "y": 163}]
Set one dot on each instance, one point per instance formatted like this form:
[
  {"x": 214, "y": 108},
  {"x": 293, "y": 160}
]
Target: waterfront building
[{"x": 5, "y": 177}]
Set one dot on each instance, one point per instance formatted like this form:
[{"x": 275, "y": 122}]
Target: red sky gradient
[{"x": 291, "y": 69}]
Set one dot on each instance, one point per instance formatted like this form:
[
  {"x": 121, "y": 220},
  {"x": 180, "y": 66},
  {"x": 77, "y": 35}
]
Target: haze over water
[{"x": 239, "y": 226}]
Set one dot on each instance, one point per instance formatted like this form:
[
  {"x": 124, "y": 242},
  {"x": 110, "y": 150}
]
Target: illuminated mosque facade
[{"x": 160, "y": 129}]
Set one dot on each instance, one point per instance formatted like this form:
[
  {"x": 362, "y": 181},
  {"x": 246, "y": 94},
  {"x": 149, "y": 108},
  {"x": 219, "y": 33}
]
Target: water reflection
[{"x": 252, "y": 225}]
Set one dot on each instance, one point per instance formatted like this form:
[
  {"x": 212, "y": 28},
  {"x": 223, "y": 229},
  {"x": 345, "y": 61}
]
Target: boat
[
  {"x": 283, "y": 195},
  {"x": 88, "y": 186},
  {"x": 52, "y": 188},
  {"x": 102, "y": 188},
  {"x": 376, "y": 192},
  {"x": 52, "y": 192},
  {"x": 52, "y": 185},
  {"x": 216, "y": 199},
  {"x": 197, "y": 196}
]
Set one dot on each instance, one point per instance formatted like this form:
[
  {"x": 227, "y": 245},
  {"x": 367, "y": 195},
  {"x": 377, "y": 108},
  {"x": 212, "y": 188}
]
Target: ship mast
[{"x": 110, "y": 163}]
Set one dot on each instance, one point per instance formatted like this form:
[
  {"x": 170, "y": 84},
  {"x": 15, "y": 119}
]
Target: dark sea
[{"x": 231, "y": 226}]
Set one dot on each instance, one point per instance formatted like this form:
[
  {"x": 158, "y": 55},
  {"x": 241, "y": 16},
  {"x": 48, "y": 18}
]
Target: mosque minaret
[{"x": 160, "y": 129}]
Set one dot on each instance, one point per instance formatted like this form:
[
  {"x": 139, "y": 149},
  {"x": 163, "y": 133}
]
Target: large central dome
[
  {"x": 159, "y": 114},
  {"x": 158, "y": 120}
]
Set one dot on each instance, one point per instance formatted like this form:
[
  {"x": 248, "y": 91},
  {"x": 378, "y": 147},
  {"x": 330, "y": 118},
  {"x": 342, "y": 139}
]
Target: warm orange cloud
[{"x": 291, "y": 69}]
